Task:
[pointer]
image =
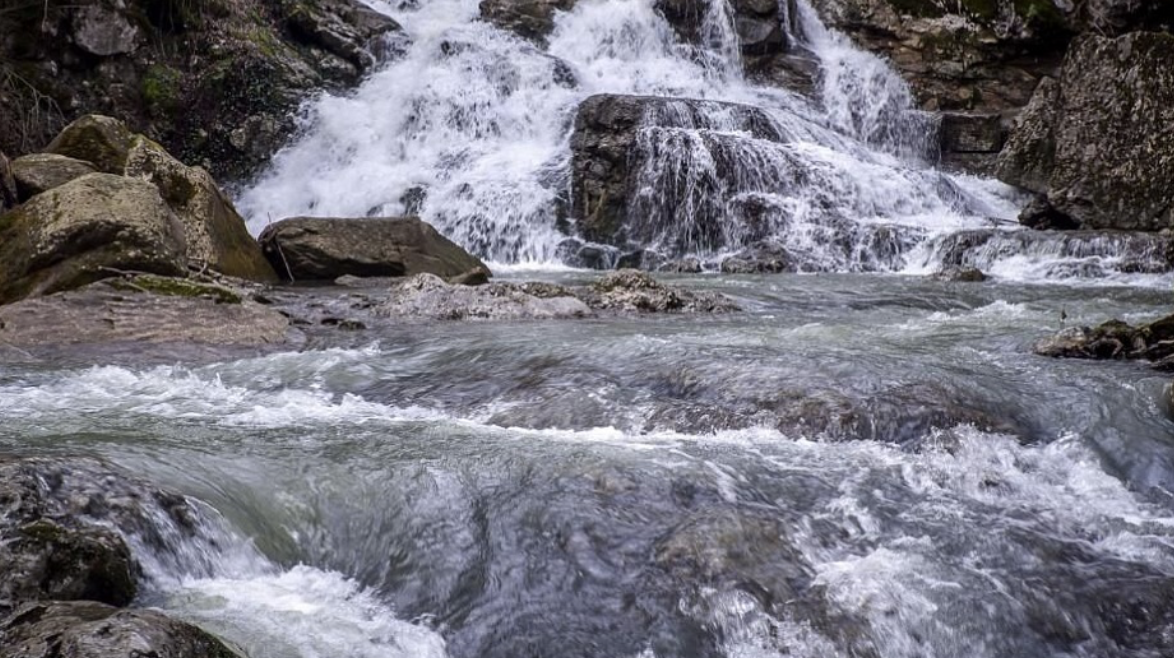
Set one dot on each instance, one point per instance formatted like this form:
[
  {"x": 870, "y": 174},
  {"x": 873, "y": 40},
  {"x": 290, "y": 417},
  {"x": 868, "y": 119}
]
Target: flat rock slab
[{"x": 103, "y": 313}]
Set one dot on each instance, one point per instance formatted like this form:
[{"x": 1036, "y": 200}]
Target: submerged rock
[
  {"x": 319, "y": 248},
  {"x": 62, "y": 522},
  {"x": 143, "y": 308},
  {"x": 86, "y": 629}
]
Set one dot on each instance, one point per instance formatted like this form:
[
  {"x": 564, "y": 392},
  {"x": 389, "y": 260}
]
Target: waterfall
[{"x": 471, "y": 129}]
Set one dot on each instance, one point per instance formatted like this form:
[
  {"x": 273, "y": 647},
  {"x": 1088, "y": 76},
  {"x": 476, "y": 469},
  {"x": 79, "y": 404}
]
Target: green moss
[
  {"x": 43, "y": 531},
  {"x": 161, "y": 89},
  {"x": 173, "y": 287}
]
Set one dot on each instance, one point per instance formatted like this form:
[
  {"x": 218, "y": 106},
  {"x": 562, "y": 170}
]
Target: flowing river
[{"x": 865, "y": 462}]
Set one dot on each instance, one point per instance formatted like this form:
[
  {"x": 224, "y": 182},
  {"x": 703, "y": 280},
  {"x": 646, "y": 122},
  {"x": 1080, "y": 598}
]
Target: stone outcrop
[
  {"x": 969, "y": 55},
  {"x": 318, "y": 248},
  {"x": 215, "y": 81},
  {"x": 86, "y": 629},
  {"x": 971, "y": 142},
  {"x": 1094, "y": 143},
  {"x": 146, "y": 212}
]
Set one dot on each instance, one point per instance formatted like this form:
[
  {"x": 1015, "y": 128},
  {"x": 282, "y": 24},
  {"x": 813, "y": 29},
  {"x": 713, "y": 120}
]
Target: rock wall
[
  {"x": 1096, "y": 143},
  {"x": 214, "y": 81}
]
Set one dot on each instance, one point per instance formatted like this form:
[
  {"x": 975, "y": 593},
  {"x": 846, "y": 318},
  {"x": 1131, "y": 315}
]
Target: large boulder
[
  {"x": 82, "y": 231},
  {"x": 40, "y": 172},
  {"x": 214, "y": 233},
  {"x": 319, "y": 248},
  {"x": 86, "y": 629},
  {"x": 1094, "y": 142}
]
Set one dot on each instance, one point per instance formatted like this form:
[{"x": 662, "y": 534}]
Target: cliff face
[
  {"x": 215, "y": 81},
  {"x": 982, "y": 55}
]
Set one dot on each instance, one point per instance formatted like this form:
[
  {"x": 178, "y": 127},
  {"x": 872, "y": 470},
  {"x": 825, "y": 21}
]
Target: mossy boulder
[
  {"x": 100, "y": 140},
  {"x": 79, "y": 232},
  {"x": 215, "y": 234},
  {"x": 39, "y": 172},
  {"x": 86, "y": 629}
]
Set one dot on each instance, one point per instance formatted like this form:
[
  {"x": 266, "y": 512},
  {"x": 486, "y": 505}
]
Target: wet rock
[
  {"x": 746, "y": 551},
  {"x": 104, "y": 31},
  {"x": 345, "y": 29},
  {"x": 144, "y": 309},
  {"x": 764, "y": 258},
  {"x": 1070, "y": 253},
  {"x": 1041, "y": 215},
  {"x": 960, "y": 274},
  {"x": 42, "y": 559},
  {"x": 614, "y": 137},
  {"x": 428, "y": 296},
  {"x": 970, "y": 55},
  {"x": 40, "y": 172},
  {"x": 478, "y": 276},
  {"x": 1115, "y": 340},
  {"x": 633, "y": 290},
  {"x": 687, "y": 265},
  {"x": 316, "y": 248},
  {"x": 1088, "y": 140},
  {"x": 62, "y": 522},
  {"x": 86, "y": 629},
  {"x": 532, "y": 19},
  {"x": 76, "y": 233},
  {"x": 971, "y": 141}
]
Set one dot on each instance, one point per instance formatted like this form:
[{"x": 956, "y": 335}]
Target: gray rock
[
  {"x": 39, "y": 172},
  {"x": 1029, "y": 154},
  {"x": 636, "y": 291},
  {"x": 428, "y": 296},
  {"x": 104, "y": 31},
  {"x": 86, "y": 629},
  {"x": 1115, "y": 340},
  {"x": 142, "y": 309},
  {"x": 100, "y": 140},
  {"x": 319, "y": 248},
  {"x": 76, "y": 233},
  {"x": 346, "y": 29}
]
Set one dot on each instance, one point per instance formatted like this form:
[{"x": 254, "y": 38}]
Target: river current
[{"x": 865, "y": 462}]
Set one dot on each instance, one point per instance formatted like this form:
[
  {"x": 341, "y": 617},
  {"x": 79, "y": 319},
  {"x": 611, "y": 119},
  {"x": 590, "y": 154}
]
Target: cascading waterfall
[{"x": 471, "y": 130}]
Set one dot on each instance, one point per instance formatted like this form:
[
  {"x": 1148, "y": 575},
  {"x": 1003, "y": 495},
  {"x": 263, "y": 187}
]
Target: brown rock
[{"x": 40, "y": 172}]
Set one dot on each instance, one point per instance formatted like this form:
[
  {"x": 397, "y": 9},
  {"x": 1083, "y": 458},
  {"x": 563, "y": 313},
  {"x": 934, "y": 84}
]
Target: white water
[{"x": 481, "y": 120}]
